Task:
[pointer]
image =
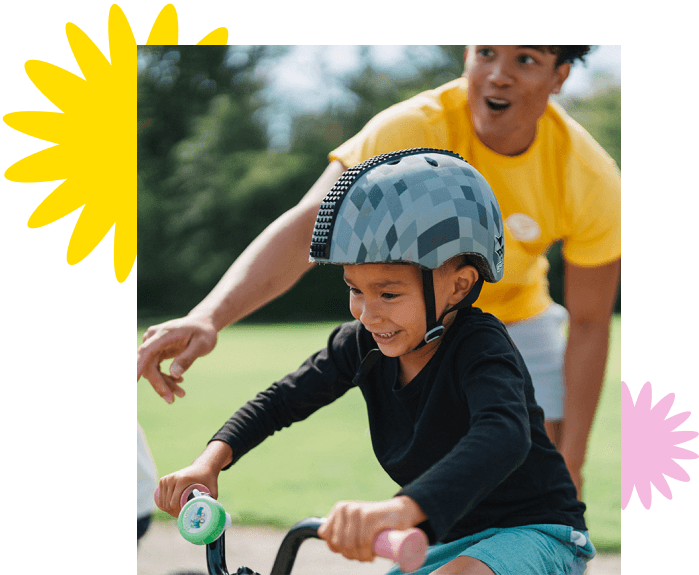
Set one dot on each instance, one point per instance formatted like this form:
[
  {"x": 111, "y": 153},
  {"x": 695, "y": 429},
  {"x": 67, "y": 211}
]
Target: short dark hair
[{"x": 568, "y": 54}]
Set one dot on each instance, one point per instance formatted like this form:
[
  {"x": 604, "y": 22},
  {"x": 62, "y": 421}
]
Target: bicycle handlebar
[{"x": 407, "y": 548}]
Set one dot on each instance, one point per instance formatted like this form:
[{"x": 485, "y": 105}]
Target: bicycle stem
[{"x": 216, "y": 556}]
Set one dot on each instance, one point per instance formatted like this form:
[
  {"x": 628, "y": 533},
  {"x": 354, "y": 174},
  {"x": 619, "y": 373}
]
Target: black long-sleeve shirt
[{"x": 465, "y": 439}]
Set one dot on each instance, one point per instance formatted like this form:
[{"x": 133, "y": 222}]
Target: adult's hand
[{"x": 184, "y": 339}]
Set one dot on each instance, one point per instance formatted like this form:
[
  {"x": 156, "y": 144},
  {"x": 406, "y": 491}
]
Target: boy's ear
[{"x": 464, "y": 279}]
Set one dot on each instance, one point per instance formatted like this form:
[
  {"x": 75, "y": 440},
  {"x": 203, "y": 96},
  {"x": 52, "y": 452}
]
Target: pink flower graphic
[{"x": 649, "y": 445}]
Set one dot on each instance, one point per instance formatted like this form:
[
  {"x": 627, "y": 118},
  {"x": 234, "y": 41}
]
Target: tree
[{"x": 180, "y": 188}]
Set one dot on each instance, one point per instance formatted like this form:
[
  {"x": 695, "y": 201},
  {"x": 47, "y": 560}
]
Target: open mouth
[
  {"x": 384, "y": 336},
  {"x": 497, "y": 104}
]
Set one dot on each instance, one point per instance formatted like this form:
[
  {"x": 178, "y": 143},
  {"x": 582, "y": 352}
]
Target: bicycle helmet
[{"x": 423, "y": 206}]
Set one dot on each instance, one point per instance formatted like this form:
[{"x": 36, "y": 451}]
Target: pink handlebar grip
[
  {"x": 186, "y": 492},
  {"x": 407, "y": 548}
]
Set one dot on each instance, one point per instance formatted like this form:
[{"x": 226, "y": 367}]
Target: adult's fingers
[
  {"x": 149, "y": 357},
  {"x": 198, "y": 346},
  {"x": 172, "y": 383},
  {"x": 149, "y": 333},
  {"x": 164, "y": 385},
  {"x": 162, "y": 345},
  {"x": 146, "y": 360}
]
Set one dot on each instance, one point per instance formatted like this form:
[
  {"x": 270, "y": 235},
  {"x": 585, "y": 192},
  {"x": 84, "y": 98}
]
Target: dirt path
[{"x": 163, "y": 552}]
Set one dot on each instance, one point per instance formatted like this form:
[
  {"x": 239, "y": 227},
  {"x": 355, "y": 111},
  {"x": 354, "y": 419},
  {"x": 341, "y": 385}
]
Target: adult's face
[{"x": 508, "y": 90}]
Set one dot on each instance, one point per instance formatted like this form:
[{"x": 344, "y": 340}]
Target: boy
[{"x": 451, "y": 406}]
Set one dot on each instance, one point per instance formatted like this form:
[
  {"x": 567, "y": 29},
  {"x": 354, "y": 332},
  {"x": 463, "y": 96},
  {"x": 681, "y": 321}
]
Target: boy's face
[
  {"x": 388, "y": 300},
  {"x": 508, "y": 90}
]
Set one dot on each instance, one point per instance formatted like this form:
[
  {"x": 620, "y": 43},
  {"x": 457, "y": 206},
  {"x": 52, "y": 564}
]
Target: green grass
[{"x": 305, "y": 469}]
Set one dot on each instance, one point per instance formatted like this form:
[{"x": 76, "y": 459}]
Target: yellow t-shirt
[{"x": 564, "y": 187}]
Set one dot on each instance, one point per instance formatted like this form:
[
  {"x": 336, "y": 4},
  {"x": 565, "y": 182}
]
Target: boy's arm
[
  {"x": 323, "y": 378},
  {"x": 205, "y": 470},
  {"x": 269, "y": 267}
]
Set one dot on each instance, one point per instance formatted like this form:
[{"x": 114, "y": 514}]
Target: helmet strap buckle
[{"x": 434, "y": 334}]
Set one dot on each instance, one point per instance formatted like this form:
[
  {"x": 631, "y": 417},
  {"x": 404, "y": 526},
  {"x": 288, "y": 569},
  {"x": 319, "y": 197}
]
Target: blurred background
[{"x": 230, "y": 137}]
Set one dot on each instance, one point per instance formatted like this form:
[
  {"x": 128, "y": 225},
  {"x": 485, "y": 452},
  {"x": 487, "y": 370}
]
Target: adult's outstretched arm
[{"x": 268, "y": 268}]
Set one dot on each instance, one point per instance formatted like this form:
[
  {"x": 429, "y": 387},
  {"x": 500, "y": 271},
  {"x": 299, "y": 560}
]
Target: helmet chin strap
[{"x": 435, "y": 329}]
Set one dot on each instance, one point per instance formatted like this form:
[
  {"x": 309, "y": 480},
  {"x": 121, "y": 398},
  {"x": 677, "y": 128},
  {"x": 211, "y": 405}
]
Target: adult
[{"x": 553, "y": 182}]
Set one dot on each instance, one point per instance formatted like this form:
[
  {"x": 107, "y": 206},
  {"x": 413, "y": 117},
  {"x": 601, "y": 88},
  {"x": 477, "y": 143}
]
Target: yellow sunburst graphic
[{"x": 95, "y": 133}]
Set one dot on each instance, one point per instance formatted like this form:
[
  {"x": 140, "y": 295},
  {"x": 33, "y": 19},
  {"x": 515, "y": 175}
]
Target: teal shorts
[{"x": 528, "y": 550}]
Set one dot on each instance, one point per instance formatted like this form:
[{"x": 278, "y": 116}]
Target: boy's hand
[
  {"x": 352, "y": 526},
  {"x": 171, "y": 486}
]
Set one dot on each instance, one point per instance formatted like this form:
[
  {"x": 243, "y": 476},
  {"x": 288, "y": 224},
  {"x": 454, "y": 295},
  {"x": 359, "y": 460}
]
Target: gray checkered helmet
[{"x": 421, "y": 205}]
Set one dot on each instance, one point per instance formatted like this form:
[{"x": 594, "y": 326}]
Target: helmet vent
[
  {"x": 393, "y": 162},
  {"x": 432, "y": 162}
]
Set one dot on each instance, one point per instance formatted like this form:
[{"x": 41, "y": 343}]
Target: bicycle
[{"x": 203, "y": 521}]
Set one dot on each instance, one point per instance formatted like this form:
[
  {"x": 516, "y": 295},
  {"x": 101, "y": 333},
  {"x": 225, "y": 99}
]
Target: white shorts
[{"x": 542, "y": 342}]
